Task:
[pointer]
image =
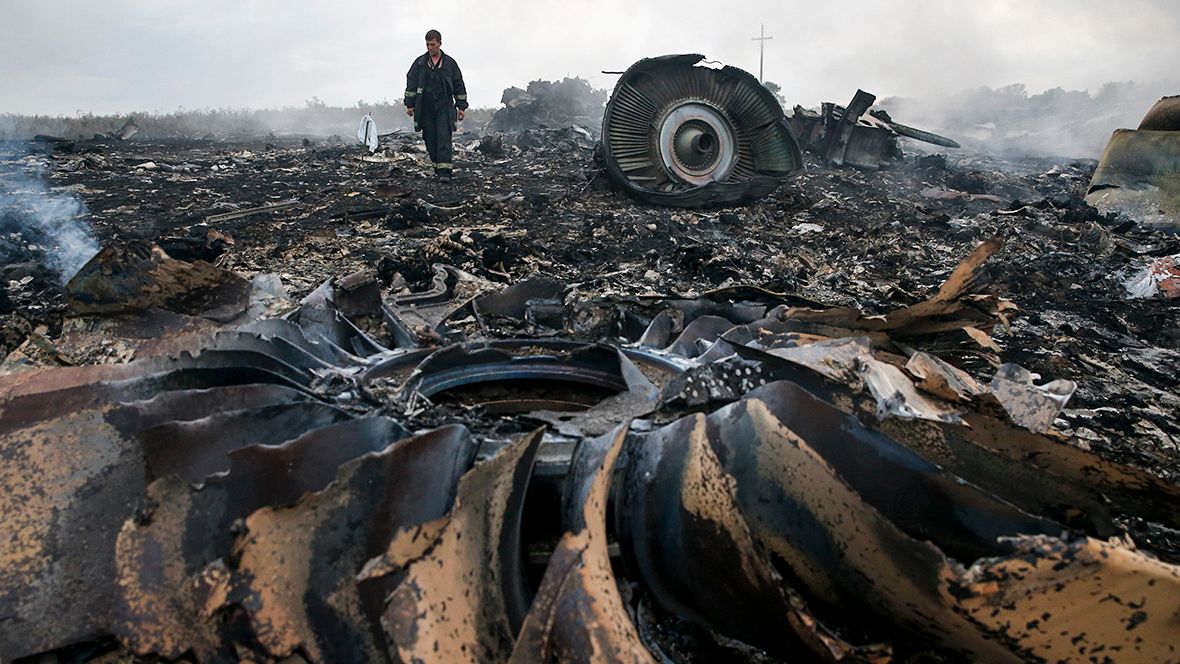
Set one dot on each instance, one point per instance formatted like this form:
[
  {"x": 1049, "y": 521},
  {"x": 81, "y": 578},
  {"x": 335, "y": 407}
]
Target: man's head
[{"x": 434, "y": 43}]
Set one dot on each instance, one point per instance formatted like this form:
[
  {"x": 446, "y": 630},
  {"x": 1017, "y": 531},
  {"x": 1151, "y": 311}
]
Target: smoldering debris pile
[
  {"x": 550, "y": 105},
  {"x": 326, "y": 407}
]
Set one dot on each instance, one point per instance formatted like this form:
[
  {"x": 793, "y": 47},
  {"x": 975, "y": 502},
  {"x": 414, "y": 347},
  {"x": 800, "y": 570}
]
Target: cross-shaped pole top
[{"x": 761, "y": 48}]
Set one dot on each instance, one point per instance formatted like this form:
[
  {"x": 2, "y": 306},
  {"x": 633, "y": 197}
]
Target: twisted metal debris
[{"x": 751, "y": 463}]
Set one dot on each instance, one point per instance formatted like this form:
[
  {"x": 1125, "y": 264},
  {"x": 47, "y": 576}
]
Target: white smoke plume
[{"x": 40, "y": 223}]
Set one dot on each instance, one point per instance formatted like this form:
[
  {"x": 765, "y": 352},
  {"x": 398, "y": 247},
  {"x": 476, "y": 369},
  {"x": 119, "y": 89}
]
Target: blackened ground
[{"x": 873, "y": 240}]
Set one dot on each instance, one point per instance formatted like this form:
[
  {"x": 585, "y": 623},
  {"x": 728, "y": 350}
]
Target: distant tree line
[{"x": 315, "y": 118}]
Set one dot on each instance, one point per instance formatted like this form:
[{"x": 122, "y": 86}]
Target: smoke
[
  {"x": 38, "y": 223},
  {"x": 1009, "y": 122}
]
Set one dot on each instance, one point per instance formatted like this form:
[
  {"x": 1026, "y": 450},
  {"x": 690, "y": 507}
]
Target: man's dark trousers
[{"x": 436, "y": 129}]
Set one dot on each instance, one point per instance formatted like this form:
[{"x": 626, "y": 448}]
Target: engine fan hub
[{"x": 697, "y": 143}]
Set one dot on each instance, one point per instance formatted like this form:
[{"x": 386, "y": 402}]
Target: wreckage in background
[
  {"x": 679, "y": 133},
  {"x": 682, "y": 134},
  {"x": 855, "y": 136},
  {"x": 1140, "y": 169}
]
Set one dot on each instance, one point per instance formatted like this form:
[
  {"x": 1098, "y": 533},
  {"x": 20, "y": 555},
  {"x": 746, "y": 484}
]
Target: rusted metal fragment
[
  {"x": 1112, "y": 485},
  {"x": 942, "y": 379},
  {"x": 167, "y": 568},
  {"x": 297, "y": 569},
  {"x": 578, "y": 614},
  {"x": 915, "y": 495},
  {"x": 466, "y": 599},
  {"x": 68, "y": 485},
  {"x": 843, "y": 553},
  {"x": 1082, "y": 600},
  {"x": 140, "y": 276},
  {"x": 172, "y": 562},
  {"x": 1033, "y": 407},
  {"x": 194, "y": 450},
  {"x": 683, "y": 536},
  {"x": 850, "y": 555}
]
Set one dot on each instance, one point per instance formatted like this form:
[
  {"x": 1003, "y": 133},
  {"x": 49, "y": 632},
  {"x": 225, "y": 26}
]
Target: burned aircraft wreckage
[{"x": 533, "y": 469}]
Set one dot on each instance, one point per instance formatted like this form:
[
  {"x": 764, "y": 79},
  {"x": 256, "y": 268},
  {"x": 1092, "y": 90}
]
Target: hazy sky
[{"x": 110, "y": 56}]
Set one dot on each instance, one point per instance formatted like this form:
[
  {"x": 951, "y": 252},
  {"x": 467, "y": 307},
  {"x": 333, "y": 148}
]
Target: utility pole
[{"x": 761, "y": 49}]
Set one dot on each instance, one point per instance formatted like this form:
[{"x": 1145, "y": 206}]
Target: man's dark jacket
[{"x": 452, "y": 78}]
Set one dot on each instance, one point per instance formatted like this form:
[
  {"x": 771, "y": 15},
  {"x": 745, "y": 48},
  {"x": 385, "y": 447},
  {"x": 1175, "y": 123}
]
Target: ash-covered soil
[{"x": 527, "y": 204}]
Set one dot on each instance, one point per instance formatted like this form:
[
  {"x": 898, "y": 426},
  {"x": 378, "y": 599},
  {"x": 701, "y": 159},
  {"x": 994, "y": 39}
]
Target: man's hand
[
  {"x": 460, "y": 114},
  {"x": 410, "y": 112}
]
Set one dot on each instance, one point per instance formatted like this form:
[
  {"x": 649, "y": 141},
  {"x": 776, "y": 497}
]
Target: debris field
[{"x": 308, "y": 403}]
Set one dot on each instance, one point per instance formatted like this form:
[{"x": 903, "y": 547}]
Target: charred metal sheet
[
  {"x": 578, "y": 614},
  {"x": 464, "y": 598},
  {"x": 1113, "y": 486},
  {"x": 679, "y": 134},
  {"x": 850, "y": 360},
  {"x": 297, "y": 572},
  {"x": 850, "y": 555},
  {"x": 173, "y": 562},
  {"x": 90, "y": 473},
  {"x": 640, "y": 372},
  {"x": 1138, "y": 165},
  {"x": 194, "y": 450},
  {"x": 1140, "y": 169},
  {"x": 842, "y": 552},
  {"x": 168, "y": 565},
  {"x": 69, "y": 483},
  {"x": 842, "y": 138},
  {"x": 46, "y": 397},
  {"x": 321, "y": 321},
  {"x": 942, "y": 379},
  {"x": 916, "y": 495},
  {"x": 699, "y": 332},
  {"x": 277, "y": 347},
  {"x": 137, "y": 277},
  {"x": 513, "y": 302},
  {"x": 684, "y": 538},
  {"x": 424, "y": 314}
]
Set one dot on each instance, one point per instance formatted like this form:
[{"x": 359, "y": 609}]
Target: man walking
[{"x": 436, "y": 98}]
